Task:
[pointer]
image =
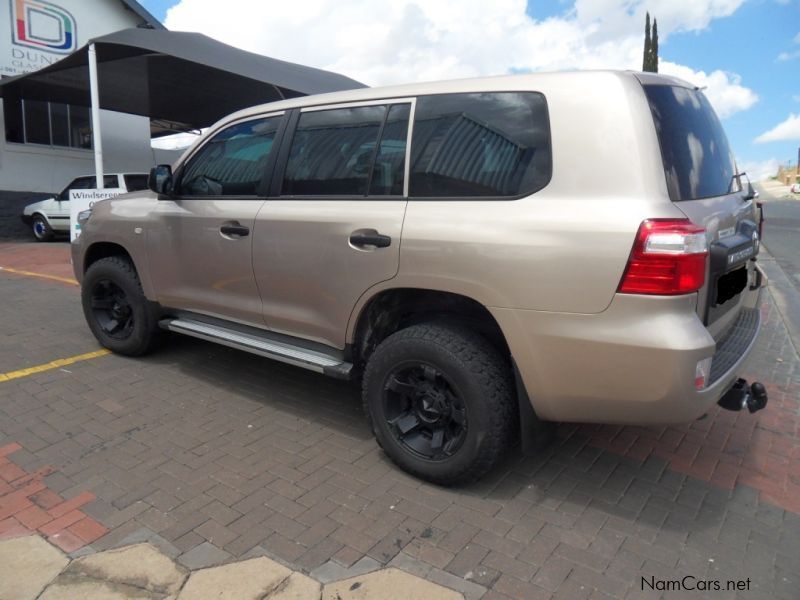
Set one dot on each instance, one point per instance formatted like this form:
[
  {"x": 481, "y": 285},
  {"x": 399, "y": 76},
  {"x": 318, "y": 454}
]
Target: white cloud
[
  {"x": 724, "y": 90},
  {"x": 382, "y": 43},
  {"x": 787, "y": 130},
  {"x": 784, "y": 56},
  {"x": 760, "y": 170}
]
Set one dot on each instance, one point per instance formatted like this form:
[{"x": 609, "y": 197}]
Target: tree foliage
[{"x": 650, "y": 58}]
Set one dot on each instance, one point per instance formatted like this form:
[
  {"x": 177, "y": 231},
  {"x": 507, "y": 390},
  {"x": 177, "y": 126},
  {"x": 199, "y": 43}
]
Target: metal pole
[{"x": 97, "y": 139}]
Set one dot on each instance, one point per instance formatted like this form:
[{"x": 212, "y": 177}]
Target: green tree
[
  {"x": 650, "y": 55},
  {"x": 654, "y": 48}
]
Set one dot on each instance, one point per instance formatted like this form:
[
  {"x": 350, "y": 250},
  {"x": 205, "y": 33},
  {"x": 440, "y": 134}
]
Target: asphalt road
[{"x": 782, "y": 233}]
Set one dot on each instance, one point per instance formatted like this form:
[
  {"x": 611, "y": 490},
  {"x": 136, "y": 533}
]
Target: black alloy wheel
[
  {"x": 425, "y": 412},
  {"x": 112, "y": 310}
]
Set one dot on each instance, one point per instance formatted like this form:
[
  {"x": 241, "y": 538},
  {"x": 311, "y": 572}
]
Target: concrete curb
[
  {"x": 31, "y": 568},
  {"x": 785, "y": 295}
]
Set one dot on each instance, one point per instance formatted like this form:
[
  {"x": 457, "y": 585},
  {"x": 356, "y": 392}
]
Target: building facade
[{"x": 44, "y": 145}]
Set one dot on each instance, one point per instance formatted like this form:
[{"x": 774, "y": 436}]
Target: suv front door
[
  {"x": 331, "y": 227},
  {"x": 200, "y": 241}
]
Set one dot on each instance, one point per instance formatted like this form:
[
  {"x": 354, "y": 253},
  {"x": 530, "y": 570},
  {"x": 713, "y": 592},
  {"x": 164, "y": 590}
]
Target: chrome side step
[{"x": 263, "y": 346}]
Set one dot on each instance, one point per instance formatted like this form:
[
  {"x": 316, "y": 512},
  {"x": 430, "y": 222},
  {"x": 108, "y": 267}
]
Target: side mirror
[{"x": 160, "y": 180}]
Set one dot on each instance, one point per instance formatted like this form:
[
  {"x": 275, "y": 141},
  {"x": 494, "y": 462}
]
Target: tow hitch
[{"x": 742, "y": 395}]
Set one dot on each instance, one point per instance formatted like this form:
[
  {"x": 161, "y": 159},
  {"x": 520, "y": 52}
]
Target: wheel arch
[
  {"x": 103, "y": 249},
  {"x": 391, "y": 309}
]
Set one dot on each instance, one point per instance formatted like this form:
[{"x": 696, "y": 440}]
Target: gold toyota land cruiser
[{"x": 482, "y": 255}]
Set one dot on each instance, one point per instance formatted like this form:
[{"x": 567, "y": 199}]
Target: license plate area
[{"x": 730, "y": 285}]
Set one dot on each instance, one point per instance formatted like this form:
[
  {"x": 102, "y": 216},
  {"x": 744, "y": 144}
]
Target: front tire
[
  {"x": 42, "y": 231},
  {"x": 116, "y": 309},
  {"x": 440, "y": 401}
]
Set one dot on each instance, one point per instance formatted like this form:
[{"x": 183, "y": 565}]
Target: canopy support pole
[{"x": 97, "y": 139}]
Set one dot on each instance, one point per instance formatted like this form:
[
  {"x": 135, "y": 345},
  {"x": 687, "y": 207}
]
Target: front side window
[
  {"x": 480, "y": 144},
  {"x": 333, "y": 151},
  {"x": 232, "y": 163}
]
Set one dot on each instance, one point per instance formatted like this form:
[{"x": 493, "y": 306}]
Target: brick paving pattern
[
  {"x": 28, "y": 506},
  {"x": 218, "y": 454}
]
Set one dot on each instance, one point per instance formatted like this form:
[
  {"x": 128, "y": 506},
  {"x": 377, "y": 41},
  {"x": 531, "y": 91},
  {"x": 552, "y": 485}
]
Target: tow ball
[{"x": 742, "y": 395}]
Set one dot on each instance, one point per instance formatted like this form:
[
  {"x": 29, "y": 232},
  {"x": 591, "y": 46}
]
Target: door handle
[
  {"x": 234, "y": 230},
  {"x": 370, "y": 239}
]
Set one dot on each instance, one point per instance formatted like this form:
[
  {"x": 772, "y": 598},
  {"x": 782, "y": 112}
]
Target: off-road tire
[
  {"x": 42, "y": 232},
  {"x": 484, "y": 382},
  {"x": 145, "y": 333}
]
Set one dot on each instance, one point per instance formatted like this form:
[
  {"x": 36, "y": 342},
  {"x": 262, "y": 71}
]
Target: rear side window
[
  {"x": 698, "y": 161},
  {"x": 232, "y": 163},
  {"x": 336, "y": 152},
  {"x": 480, "y": 144},
  {"x": 134, "y": 183}
]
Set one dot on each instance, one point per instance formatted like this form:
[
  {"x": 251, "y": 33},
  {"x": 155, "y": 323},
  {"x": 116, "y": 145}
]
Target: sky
[{"x": 745, "y": 53}]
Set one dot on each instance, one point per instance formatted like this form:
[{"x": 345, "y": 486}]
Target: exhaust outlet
[{"x": 742, "y": 395}]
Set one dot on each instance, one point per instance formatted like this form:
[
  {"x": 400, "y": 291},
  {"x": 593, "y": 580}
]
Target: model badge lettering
[{"x": 741, "y": 255}]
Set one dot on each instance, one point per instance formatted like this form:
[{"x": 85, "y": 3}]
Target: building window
[{"x": 47, "y": 123}]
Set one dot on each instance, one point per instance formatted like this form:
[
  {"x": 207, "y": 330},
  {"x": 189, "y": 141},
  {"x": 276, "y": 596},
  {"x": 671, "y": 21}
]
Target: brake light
[{"x": 668, "y": 258}]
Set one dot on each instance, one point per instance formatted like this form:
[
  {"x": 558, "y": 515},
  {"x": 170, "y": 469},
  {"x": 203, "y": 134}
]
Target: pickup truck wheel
[
  {"x": 116, "y": 309},
  {"x": 440, "y": 401},
  {"x": 41, "y": 229}
]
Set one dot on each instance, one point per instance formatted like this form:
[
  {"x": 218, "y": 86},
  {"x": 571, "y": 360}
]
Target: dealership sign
[
  {"x": 43, "y": 26},
  {"x": 80, "y": 200},
  {"x": 41, "y": 33}
]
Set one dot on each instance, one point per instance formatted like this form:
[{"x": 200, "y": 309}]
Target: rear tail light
[{"x": 668, "y": 258}]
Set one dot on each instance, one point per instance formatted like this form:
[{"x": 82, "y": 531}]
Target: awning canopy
[{"x": 180, "y": 80}]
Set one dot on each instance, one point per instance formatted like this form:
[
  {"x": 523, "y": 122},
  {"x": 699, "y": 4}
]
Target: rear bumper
[{"x": 634, "y": 363}]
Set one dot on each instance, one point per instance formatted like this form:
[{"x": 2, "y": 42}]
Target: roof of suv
[{"x": 508, "y": 82}]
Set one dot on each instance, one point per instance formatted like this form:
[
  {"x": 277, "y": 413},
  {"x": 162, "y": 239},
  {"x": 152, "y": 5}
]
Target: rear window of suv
[
  {"x": 480, "y": 144},
  {"x": 694, "y": 148}
]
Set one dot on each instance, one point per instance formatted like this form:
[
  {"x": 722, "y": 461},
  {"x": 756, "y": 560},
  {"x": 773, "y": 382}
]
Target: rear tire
[
  {"x": 440, "y": 402},
  {"x": 42, "y": 231},
  {"x": 116, "y": 309}
]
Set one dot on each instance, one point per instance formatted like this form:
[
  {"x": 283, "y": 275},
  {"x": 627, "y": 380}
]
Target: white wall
[
  {"x": 92, "y": 18},
  {"x": 126, "y": 138}
]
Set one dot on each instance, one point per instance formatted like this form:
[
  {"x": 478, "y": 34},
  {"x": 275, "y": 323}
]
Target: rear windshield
[{"x": 697, "y": 158}]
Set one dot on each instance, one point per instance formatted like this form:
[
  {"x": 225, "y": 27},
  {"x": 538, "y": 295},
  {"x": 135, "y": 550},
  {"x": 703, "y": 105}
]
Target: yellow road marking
[
  {"x": 68, "y": 280},
  {"x": 61, "y": 362}
]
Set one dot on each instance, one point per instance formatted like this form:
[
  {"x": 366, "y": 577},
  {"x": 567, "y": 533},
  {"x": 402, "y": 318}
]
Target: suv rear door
[
  {"x": 331, "y": 227},
  {"x": 703, "y": 182},
  {"x": 199, "y": 241}
]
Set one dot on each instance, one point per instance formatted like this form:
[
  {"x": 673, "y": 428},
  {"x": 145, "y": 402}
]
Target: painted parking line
[
  {"x": 68, "y": 280},
  {"x": 61, "y": 362}
]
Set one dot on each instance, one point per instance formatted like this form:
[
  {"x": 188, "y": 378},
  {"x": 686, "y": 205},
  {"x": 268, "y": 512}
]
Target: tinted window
[
  {"x": 697, "y": 158},
  {"x": 483, "y": 144},
  {"x": 332, "y": 152},
  {"x": 37, "y": 122},
  {"x": 134, "y": 183},
  {"x": 388, "y": 173},
  {"x": 232, "y": 163}
]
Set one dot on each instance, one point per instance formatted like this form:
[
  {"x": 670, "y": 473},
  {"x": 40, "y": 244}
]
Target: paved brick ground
[
  {"x": 216, "y": 454},
  {"x": 28, "y": 506}
]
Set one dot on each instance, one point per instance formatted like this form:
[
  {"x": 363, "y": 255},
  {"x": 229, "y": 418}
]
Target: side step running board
[{"x": 277, "y": 350}]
